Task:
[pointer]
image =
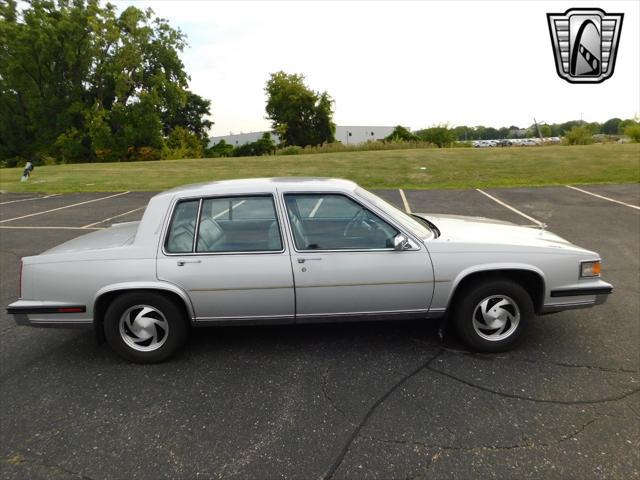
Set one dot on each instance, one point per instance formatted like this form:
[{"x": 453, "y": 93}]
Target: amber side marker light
[{"x": 590, "y": 269}]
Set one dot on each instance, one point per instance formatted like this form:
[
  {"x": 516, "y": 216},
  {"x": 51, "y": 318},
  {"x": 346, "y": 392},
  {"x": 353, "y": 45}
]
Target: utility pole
[{"x": 538, "y": 129}]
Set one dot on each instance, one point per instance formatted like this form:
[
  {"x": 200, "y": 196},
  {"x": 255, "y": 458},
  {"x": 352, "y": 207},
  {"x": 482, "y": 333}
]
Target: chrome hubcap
[
  {"x": 496, "y": 318},
  {"x": 144, "y": 328}
]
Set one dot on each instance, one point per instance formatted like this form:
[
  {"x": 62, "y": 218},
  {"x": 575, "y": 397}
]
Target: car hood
[
  {"x": 480, "y": 230},
  {"x": 117, "y": 235}
]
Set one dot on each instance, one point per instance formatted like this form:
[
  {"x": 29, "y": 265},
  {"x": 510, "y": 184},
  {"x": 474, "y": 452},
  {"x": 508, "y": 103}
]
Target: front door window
[{"x": 335, "y": 222}]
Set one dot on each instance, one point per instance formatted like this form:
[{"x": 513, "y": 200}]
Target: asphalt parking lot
[{"x": 384, "y": 400}]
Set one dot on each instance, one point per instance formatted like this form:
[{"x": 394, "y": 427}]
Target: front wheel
[
  {"x": 492, "y": 316},
  {"x": 145, "y": 327}
]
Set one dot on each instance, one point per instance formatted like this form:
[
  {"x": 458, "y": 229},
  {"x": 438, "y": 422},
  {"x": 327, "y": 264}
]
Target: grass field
[{"x": 411, "y": 169}]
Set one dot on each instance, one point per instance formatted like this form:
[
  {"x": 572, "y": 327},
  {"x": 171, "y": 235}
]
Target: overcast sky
[{"x": 414, "y": 63}]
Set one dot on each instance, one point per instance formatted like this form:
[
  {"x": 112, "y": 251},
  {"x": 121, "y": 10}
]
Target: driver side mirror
[{"x": 400, "y": 242}]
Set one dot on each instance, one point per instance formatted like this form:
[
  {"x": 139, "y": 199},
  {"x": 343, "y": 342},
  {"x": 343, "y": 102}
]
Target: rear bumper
[{"x": 49, "y": 314}]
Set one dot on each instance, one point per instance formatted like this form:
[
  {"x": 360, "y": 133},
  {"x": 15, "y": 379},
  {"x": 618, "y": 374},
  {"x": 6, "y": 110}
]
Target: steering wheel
[{"x": 358, "y": 220}]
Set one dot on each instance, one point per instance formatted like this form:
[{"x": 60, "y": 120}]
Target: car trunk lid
[{"x": 118, "y": 235}]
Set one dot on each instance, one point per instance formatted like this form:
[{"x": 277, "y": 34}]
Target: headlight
[{"x": 590, "y": 269}]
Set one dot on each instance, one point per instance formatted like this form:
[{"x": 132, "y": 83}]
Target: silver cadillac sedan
[{"x": 297, "y": 250}]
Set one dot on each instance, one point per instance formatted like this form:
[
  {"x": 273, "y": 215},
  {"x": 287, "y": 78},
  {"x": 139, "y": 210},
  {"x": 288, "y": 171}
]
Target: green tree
[
  {"x": 610, "y": 127},
  {"x": 440, "y": 135},
  {"x": 565, "y": 127},
  {"x": 503, "y": 132},
  {"x": 401, "y": 134},
  {"x": 182, "y": 143},
  {"x": 545, "y": 130},
  {"x": 479, "y": 132},
  {"x": 299, "y": 115},
  {"x": 491, "y": 133},
  {"x": 220, "y": 149},
  {"x": 263, "y": 146},
  {"x": 579, "y": 135},
  {"x": 192, "y": 116},
  {"x": 463, "y": 133},
  {"x": 632, "y": 131},
  {"x": 79, "y": 82},
  {"x": 594, "y": 127},
  {"x": 266, "y": 145},
  {"x": 622, "y": 126}
]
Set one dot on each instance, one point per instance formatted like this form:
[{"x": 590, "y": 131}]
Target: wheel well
[
  {"x": 530, "y": 281},
  {"x": 103, "y": 302}
]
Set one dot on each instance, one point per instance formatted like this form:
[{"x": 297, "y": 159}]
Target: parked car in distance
[
  {"x": 299, "y": 250},
  {"x": 485, "y": 143}
]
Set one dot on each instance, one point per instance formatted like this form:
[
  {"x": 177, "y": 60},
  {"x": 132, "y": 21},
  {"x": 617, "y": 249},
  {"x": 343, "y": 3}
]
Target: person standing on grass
[{"x": 28, "y": 168}]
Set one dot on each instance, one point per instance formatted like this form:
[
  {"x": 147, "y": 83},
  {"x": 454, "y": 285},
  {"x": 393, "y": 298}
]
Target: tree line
[
  {"x": 80, "y": 83},
  {"x": 613, "y": 126},
  {"x": 574, "y": 132}
]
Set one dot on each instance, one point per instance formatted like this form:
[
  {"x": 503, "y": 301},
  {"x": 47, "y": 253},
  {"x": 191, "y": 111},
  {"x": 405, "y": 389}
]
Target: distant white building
[
  {"x": 356, "y": 134},
  {"x": 349, "y": 135},
  {"x": 237, "y": 139}
]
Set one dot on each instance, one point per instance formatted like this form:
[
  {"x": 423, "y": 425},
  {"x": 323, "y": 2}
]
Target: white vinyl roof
[{"x": 262, "y": 185}]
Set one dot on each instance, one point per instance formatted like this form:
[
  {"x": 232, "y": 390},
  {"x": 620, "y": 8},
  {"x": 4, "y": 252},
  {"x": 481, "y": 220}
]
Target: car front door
[
  {"x": 344, "y": 261},
  {"x": 229, "y": 255}
]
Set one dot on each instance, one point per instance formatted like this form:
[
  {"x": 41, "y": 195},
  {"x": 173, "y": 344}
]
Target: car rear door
[
  {"x": 228, "y": 253},
  {"x": 344, "y": 263}
]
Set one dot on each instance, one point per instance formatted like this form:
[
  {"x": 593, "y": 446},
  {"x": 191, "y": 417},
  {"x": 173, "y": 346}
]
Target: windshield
[{"x": 417, "y": 228}]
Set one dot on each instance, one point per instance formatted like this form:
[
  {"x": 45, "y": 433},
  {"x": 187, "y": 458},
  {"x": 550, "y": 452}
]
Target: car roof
[{"x": 262, "y": 185}]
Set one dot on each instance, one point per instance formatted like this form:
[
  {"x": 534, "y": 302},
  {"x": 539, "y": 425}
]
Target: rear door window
[{"x": 238, "y": 224}]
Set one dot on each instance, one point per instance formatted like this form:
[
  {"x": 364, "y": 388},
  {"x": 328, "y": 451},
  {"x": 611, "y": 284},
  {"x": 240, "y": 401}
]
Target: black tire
[
  {"x": 164, "y": 318},
  {"x": 468, "y": 303}
]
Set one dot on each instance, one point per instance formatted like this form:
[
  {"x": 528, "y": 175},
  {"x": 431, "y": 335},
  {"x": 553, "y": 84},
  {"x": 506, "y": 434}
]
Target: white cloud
[{"x": 386, "y": 63}]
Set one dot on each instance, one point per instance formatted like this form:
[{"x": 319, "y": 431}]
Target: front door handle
[
  {"x": 308, "y": 259},
  {"x": 182, "y": 262}
]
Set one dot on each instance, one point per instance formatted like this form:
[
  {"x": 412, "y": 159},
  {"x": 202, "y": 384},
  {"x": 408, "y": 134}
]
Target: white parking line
[
  {"x": 603, "y": 197},
  {"x": 224, "y": 212},
  {"x": 111, "y": 218},
  {"x": 21, "y": 200},
  {"x": 30, "y": 198},
  {"x": 62, "y": 208},
  {"x": 404, "y": 201},
  {"x": 315, "y": 209},
  {"x": 47, "y": 228},
  {"x": 515, "y": 210}
]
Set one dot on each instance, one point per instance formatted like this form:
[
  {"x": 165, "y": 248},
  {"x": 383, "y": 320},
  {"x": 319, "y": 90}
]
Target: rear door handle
[
  {"x": 302, "y": 260},
  {"x": 181, "y": 263}
]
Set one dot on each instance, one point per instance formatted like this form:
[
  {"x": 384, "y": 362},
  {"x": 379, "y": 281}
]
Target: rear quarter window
[{"x": 182, "y": 228}]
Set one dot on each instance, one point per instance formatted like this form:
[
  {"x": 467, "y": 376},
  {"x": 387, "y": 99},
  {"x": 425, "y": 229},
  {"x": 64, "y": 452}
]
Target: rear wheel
[
  {"x": 492, "y": 316},
  {"x": 145, "y": 327}
]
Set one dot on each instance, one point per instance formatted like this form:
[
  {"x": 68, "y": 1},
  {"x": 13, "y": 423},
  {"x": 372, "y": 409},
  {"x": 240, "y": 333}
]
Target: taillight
[{"x": 20, "y": 281}]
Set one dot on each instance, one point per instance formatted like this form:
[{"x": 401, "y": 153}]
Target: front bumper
[{"x": 584, "y": 295}]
